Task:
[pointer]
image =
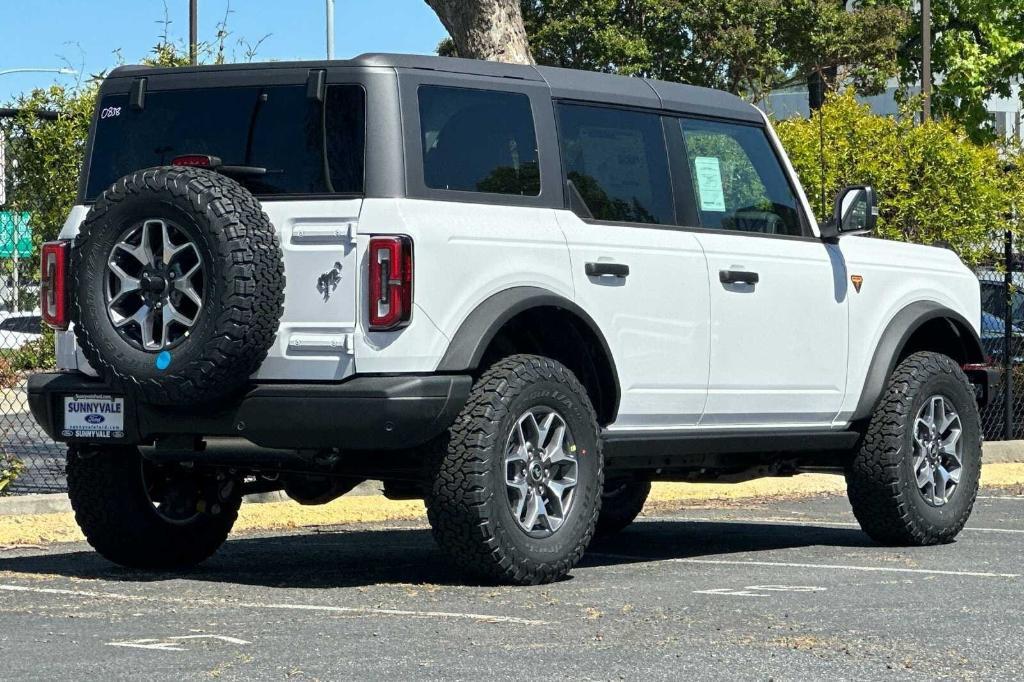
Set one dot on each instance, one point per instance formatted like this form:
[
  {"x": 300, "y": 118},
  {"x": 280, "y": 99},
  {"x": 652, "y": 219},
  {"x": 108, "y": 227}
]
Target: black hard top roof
[{"x": 563, "y": 83}]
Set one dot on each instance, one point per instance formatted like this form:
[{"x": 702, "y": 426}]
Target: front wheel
[
  {"x": 141, "y": 514},
  {"x": 915, "y": 477},
  {"x": 517, "y": 492}
]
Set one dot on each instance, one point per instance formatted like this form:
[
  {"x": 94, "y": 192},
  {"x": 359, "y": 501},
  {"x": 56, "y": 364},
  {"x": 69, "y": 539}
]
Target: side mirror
[{"x": 856, "y": 212}]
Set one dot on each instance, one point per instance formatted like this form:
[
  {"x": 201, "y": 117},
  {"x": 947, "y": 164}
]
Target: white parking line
[
  {"x": 797, "y": 522},
  {"x": 789, "y": 564},
  {"x": 174, "y": 643},
  {"x": 1002, "y": 498},
  {"x": 363, "y": 610}
]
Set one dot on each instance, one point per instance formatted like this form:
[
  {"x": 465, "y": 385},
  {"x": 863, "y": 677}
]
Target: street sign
[{"x": 15, "y": 234}]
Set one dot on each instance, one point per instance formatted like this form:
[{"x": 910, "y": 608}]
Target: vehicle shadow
[{"x": 366, "y": 557}]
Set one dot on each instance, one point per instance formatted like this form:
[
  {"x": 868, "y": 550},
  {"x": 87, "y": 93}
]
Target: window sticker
[{"x": 709, "y": 183}]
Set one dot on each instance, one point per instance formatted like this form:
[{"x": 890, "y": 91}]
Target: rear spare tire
[{"x": 178, "y": 285}]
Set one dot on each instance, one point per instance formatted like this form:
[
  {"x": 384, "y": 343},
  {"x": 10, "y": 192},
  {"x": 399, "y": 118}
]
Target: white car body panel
[
  {"x": 463, "y": 254},
  {"x": 690, "y": 352},
  {"x": 778, "y": 348},
  {"x": 895, "y": 275},
  {"x": 655, "y": 320}
]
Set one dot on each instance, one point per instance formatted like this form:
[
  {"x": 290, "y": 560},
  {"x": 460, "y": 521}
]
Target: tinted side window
[
  {"x": 345, "y": 137},
  {"x": 617, "y": 161},
  {"x": 738, "y": 181},
  {"x": 478, "y": 141}
]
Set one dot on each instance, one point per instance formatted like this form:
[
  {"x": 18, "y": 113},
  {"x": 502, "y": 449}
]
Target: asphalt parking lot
[{"x": 780, "y": 590}]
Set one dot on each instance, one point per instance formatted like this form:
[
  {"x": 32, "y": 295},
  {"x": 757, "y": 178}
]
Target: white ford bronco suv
[{"x": 518, "y": 293}]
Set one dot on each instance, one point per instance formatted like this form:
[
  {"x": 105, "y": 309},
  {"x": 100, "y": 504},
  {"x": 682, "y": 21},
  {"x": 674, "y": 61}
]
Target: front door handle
[
  {"x": 606, "y": 268},
  {"x": 738, "y": 277}
]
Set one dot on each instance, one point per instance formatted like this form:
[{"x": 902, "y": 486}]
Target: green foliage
[
  {"x": 8, "y": 375},
  {"x": 978, "y": 52},
  {"x": 44, "y": 160},
  {"x": 858, "y": 47},
  {"x": 934, "y": 184},
  {"x": 45, "y": 157},
  {"x": 10, "y": 468},
  {"x": 747, "y": 47},
  {"x": 33, "y": 355}
]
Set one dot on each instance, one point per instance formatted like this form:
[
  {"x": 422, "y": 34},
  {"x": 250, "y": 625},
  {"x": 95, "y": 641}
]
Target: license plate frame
[{"x": 93, "y": 416}]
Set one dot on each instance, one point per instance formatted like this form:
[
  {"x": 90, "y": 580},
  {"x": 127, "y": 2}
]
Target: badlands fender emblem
[{"x": 857, "y": 282}]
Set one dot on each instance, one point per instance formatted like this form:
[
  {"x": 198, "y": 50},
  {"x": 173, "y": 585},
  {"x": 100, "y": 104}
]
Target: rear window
[
  {"x": 306, "y": 147},
  {"x": 478, "y": 141}
]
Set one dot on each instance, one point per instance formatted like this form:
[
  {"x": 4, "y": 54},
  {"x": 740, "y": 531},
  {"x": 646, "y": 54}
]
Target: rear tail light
[
  {"x": 390, "y": 282},
  {"x": 53, "y": 289}
]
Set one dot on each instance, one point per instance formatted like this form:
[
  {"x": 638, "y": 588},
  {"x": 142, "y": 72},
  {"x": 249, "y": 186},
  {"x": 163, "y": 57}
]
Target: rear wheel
[
  {"x": 915, "y": 477},
  {"x": 517, "y": 491},
  {"x": 621, "y": 502},
  {"x": 145, "y": 515}
]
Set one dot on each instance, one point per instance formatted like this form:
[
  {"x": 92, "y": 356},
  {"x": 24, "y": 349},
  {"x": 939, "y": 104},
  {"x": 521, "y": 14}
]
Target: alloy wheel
[
  {"x": 938, "y": 450},
  {"x": 540, "y": 471},
  {"x": 154, "y": 286}
]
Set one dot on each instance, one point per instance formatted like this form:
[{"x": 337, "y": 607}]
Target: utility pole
[
  {"x": 193, "y": 31},
  {"x": 330, "y": 29},
  {"x": 926, "y": 59}
]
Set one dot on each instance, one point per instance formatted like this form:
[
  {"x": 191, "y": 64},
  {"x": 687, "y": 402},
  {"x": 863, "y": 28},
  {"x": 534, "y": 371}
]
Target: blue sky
[{"x": 43, "y": 33}]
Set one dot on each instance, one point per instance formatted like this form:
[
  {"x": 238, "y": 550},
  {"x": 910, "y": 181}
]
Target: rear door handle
[
  {"x": 738, "y": 277},
  {"x": 605, "y": 268}
]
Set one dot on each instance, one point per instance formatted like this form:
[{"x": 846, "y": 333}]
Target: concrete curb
[
  {"x": 995, "y": 452},
  {"x": 53, "y": 503},
  {"x": 1003, "y": 452}
]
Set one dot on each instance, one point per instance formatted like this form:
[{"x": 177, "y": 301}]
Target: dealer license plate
[{"x": 93, "y": 416}]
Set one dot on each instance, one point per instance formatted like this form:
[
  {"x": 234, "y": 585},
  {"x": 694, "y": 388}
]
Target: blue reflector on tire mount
[{"x": 163, "y": 360}]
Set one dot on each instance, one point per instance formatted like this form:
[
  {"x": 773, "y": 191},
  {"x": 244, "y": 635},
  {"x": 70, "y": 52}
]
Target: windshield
[{"x": 305, "y": 146}]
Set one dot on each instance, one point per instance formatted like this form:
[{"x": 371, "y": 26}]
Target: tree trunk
[{"x": 485, "y": 29}]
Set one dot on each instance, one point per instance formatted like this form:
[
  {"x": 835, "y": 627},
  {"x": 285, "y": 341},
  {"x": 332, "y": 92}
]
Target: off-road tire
[
  {"x": 881, "y": 483},
  {"x": 108, "y": 495},
  {"x": 621, "y": 503},
  {"x": 244, "y": 295},
  {"x": 467, "y": 502}
]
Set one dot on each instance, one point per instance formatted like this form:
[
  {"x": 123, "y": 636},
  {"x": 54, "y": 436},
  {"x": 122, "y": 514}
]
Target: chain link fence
[
  {"x": 1002, "y": 336},
  {"x": 29, "y": 461}
]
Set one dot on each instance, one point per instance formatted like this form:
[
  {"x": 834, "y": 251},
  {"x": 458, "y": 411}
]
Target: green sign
[{"x": 15, "y": 232}]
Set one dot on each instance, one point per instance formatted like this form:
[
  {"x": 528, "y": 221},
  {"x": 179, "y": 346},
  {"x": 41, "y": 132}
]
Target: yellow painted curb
[{"x": 39, "y": 529}]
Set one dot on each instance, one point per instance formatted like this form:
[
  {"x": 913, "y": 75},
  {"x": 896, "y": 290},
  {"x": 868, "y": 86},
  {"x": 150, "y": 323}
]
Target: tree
[
  {"x": 978, "y": 53},
  {"x": 485, "y": 29},
  {"x": 748, "y": 47},
  {"x": 934, "y": 184},
  {"x": 45, "y": 156},
  {"x": 829, "y": 44}
]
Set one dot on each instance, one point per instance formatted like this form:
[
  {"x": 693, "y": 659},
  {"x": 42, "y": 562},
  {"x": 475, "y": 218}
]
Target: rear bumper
[{"x": 362, "y": 413}]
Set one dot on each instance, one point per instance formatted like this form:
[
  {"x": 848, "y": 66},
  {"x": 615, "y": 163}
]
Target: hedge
[{"x": 934, "y": 185}]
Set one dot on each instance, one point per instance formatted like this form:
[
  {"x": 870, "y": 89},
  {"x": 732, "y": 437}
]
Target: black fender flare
[
  {"x": 477, "y": 331},
  {"x": 894, "y": 339}
]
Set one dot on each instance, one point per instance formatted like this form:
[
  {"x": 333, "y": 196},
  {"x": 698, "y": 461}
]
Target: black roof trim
[{"x": 564, "y": 83}]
